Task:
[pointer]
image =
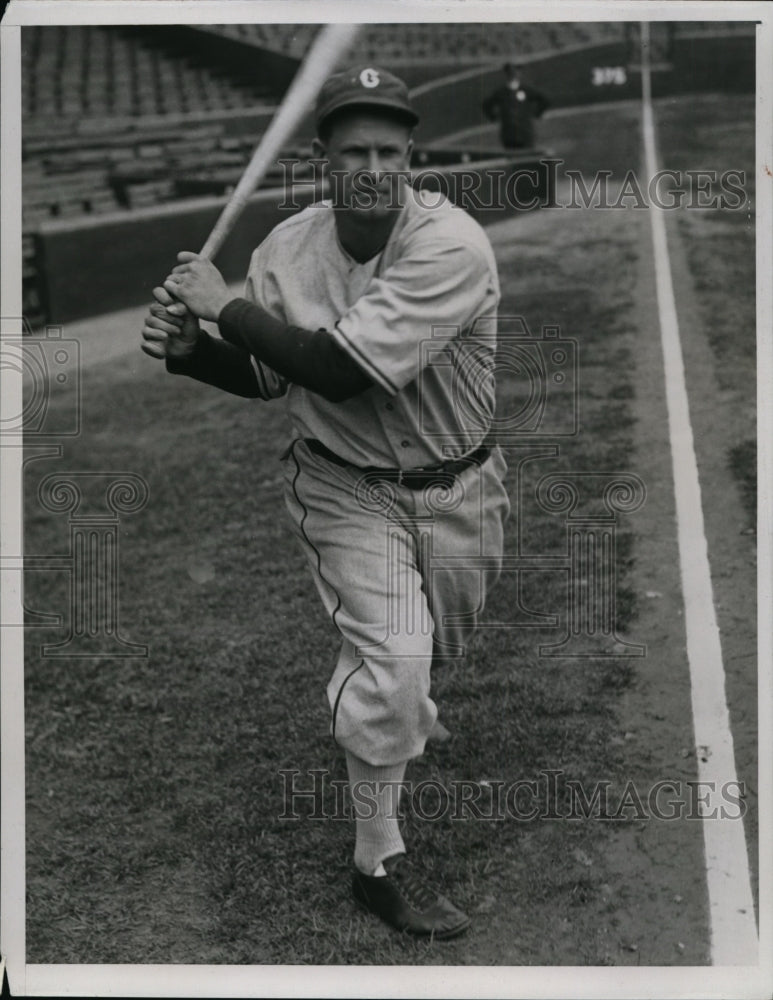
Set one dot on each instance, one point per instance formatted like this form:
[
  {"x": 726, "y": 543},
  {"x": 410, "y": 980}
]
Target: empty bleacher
[
  {"x": 402, "y": 44},
  {"x": 109, "y": 115},
  {"x": 288, "y": 39},
  {"x": 108, "y": 73},
  {"x": 96, "y": 101},
  {"x": 88, "y": 94}
]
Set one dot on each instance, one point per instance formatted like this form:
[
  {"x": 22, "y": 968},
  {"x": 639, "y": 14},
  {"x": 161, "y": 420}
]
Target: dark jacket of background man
[{"x": 515, "y": 105}]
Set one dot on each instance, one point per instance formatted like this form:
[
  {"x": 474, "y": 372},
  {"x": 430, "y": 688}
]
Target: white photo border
[{"x": 323, "y": 981}]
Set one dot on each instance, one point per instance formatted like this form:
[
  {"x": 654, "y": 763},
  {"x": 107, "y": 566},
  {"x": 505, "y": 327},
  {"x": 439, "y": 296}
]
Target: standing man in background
[
  {"x": 376, "y": 316},
  {"x": 515, "y": 105}
]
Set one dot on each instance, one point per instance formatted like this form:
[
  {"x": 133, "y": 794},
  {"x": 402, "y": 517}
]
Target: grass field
[
  {"x": 720, "y": 247},
  {"x": 154, "y": 786}
]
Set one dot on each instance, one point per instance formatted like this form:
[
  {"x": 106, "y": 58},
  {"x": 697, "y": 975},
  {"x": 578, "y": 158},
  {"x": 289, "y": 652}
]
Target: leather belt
[{"x": 413, "y": 479}]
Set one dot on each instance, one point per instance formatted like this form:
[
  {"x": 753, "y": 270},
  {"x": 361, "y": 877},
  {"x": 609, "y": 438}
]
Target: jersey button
[
  {"x": 389, "y": 406},
  {"x": 405, "y": 444}
]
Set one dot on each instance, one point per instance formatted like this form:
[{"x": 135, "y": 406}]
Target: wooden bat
[{"x": 328, "y": 47}]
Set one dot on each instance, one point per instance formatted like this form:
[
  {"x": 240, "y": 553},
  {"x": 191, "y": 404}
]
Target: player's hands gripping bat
[
  {"x": 198, "y": 284},
  {"x": 169, "y": 330}
]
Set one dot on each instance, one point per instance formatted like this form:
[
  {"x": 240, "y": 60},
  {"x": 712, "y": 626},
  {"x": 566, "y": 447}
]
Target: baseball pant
[{"x": 376, "y": 552}]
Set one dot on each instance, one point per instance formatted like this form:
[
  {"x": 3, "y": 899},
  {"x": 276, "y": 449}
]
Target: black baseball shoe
[{"x": 403, "y": 901}]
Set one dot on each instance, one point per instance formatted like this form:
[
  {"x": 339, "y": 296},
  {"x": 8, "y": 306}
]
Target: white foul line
[{"x": 731, "y": 906}]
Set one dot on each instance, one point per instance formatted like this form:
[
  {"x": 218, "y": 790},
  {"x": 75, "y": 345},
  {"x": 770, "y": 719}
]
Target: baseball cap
[{"x": 364, "y": 86}]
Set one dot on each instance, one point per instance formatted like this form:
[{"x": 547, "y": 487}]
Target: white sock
[{"x": 375, "y": 798}]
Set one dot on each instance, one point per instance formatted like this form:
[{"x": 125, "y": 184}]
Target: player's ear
[
  {"x": 409, "y": 150},
  {"x": 318, "y": 149}
]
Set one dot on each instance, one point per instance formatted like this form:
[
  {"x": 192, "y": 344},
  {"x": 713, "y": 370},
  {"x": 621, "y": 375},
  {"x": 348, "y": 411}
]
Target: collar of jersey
[{"x": 379, "y": 253}]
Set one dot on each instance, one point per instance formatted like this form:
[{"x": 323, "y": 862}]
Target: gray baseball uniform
[{"x": 420, "y": 320}]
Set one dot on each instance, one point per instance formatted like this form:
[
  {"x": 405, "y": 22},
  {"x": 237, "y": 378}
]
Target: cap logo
[{"x": 370, "y": 78}]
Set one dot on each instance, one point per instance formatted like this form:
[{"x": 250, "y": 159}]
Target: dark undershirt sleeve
[
  {"x": 311, "y": 359},
  {"x": 218, "y": 363}
]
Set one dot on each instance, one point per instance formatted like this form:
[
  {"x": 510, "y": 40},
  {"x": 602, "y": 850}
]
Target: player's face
[{"x": 368, "y": 159}]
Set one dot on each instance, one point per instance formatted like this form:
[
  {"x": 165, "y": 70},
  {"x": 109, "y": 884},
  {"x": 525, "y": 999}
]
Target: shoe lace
[{"x": 419, "y": 895}]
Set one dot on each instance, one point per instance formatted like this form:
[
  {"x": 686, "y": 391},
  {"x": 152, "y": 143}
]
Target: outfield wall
[
  {"x": 725, "y": 64},
  {"x": 591, "y": 75},
  {"x": 111, "y": 262},
  {"x": 455, "y": 103}
]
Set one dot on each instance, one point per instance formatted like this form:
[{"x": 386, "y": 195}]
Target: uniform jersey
[{"x": 419, "y": 318}]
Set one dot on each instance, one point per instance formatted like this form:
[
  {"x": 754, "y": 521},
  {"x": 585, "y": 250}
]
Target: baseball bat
[{"x": 328, "y": 47}]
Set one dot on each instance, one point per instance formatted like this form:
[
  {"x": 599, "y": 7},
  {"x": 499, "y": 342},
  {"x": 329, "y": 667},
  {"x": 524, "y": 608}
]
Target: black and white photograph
[{"x": 385, "y": 565}]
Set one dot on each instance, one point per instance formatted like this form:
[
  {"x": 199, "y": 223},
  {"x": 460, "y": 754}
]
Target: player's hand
[
  {"x": 170, "y": 329},
  {"x": 198, "y": 283}
]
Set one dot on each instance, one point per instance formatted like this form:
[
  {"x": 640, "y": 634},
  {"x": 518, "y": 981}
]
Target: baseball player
[
  {"x": 515, "y": 105},
  {"x": 374, "y": 315}
]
